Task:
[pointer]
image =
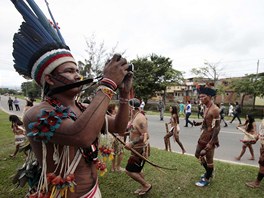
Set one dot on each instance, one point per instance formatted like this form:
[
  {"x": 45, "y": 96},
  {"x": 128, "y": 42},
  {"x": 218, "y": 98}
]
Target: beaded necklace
[
  {"x": 204, "y": 120},
  {"x": 90, "y": 153}
]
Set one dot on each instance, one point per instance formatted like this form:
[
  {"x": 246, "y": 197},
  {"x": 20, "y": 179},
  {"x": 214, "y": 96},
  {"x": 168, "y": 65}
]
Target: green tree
[
  {"x": 244, "y": 86},
  {"x": 4, "y": 91},
  {"x": 31, "y": 89},
  {"x": 259, "y": 86},
  {"x": 153, "y": 74},
  {"x": 221, "y": 89}
]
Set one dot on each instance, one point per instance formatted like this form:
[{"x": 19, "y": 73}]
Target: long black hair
[
  {"x": 175, "y": 111},
  {"x": 15, "y": 120},
  {"x": 249, "y": 121}
]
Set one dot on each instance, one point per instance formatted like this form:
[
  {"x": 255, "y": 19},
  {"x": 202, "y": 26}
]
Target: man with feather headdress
[{"x": 64, "y": 133}]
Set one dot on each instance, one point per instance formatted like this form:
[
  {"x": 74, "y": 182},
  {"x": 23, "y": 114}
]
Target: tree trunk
[
  {"x": 254, "y": 101},
  {"x": 242, "y": 100},
  {"x": 165, "y": 96}
]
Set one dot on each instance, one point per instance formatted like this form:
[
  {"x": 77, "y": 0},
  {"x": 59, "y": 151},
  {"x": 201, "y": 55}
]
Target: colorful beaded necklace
[{"x": 90, "y": 153}]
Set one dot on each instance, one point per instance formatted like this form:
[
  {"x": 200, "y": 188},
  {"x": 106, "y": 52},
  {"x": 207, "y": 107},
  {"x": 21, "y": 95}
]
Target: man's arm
[
  {"x": 85, "y": 129},
  {"x": 215, "y": 128},
  {"x": 119, "y": 124}
]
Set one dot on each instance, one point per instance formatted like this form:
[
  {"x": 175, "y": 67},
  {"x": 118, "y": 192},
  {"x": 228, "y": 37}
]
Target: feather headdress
[
  {"x": 202, "y": 89},
  {"x": 206, "y": 89},
  {"x": 38, "y": 47}
]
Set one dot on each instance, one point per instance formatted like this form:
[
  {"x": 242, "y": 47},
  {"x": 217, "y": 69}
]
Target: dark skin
[
  {"x": 209, "y": 136},
  {"x": 138, "y": 137},
  {"x": 211, "y": 113},
  {"x": 83, "y": 131}
]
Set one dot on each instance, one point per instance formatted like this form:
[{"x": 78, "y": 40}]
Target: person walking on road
[
  {"x": 208, "y": 140},
  {"x": 222, "y": 113},
  {"x": 200, "y": 109},
  {"x": 16, "y": 103},
  {"x": 10, "y": 104},
  {"x": 175, "y": 129},
  {"x": 250, "y": 136},
  {"x": 260, "y": 176},
  {"x": 230, "y": 109},
  {"x": 182, "y": 107},
  {"x": 236, "y": 113},
  {"x": 188, "y": 112},
  {"x": 161, "y": 108}
]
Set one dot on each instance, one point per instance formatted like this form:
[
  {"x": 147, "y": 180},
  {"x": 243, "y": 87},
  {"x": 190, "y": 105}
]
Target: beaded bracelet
[
  {"x": 123, "y": 100},
  {"x": 107, "y": 91},
  {"x": 108, "y": 83}
]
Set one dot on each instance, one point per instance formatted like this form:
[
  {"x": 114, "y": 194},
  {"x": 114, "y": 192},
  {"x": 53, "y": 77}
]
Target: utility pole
[
  {"x": 256, "y": 78},
  {"x": 257, "y": 68}
]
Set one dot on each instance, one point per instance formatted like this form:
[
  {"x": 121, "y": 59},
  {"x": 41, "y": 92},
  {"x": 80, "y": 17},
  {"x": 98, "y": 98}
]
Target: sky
[{"x": 226, "y": 33}]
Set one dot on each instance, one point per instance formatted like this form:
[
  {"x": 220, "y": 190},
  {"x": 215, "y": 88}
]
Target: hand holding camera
[{"x": 120, "y": 72}]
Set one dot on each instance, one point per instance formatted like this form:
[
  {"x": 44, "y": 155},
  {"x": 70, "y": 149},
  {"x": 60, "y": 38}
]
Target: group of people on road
[
  {"x": 11, "y": 104},
  {"x": 210, "y": 127},
  {"x": 16, "y": 102}
]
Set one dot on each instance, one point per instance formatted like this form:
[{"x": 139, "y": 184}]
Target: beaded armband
[
  {"x": 123, "y": 100},
  {"x": 107, "y": 91},
  {"x": 108, "y": 83},
  {"x": 48, "y": 121}
]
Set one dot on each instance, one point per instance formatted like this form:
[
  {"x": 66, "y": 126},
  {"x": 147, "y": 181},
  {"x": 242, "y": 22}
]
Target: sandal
[
  {"x": 137, "y": 191},
  {"x": 120, "y": 170},
  {"x": 252, "y": 184},
  {"x": 143, "y": 192}
]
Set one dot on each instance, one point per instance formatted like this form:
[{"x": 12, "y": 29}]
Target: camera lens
[{"x": 130, "y": 67}]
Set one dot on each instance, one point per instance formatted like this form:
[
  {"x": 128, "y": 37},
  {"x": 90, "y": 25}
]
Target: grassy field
[{"x": 229, "y": 180}]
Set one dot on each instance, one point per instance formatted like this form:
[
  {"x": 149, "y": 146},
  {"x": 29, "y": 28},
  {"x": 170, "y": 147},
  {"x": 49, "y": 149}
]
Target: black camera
[{"x": 130, "y": 67}]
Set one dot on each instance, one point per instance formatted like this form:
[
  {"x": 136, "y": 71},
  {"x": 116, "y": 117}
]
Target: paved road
[
  {"x": 230, "y": 145},
  {"x": 4, "y": 106}
]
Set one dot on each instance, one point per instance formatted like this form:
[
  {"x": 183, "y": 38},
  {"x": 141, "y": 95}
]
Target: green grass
[{"x": 229, "y": 180}]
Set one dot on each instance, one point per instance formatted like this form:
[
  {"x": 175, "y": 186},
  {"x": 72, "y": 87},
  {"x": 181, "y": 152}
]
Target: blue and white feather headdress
[{"x": 38, "y": 47}]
